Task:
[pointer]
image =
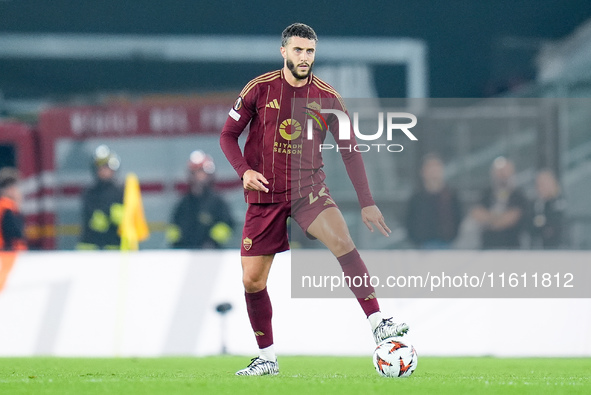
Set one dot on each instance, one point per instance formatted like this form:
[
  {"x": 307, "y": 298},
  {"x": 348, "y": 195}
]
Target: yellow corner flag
[{"x": 133, "y": 228}]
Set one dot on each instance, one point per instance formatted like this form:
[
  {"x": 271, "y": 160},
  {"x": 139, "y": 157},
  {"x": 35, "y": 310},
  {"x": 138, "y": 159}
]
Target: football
[{"x": 395, "y": 357}]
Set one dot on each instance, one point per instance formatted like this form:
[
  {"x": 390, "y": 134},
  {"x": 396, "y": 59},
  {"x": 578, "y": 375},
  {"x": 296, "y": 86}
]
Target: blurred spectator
[
  {"x": 502, "y": 209},
  {"x": 102, "y": 204},
  {"x": 202, "y": 218},
  {"x": 434, "y": 212},
  {"x": 12, "y": 222},
  {"x": 547, "y": 212}
]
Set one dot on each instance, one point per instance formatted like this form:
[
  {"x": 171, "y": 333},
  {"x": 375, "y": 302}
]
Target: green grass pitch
[{"x": 299, "y": 375}]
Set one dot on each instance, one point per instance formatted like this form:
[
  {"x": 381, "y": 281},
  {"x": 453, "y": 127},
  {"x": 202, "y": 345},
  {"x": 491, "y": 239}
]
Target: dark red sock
[
  {"x": 353, "y": 267},
  {"x": 260, "y": 312}
]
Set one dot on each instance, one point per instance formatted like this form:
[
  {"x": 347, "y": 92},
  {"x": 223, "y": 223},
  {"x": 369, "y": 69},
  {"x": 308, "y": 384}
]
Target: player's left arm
[{"x": 370, "y": 213}]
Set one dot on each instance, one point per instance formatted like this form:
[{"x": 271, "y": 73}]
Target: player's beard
[{"x": 294, "y": 70}]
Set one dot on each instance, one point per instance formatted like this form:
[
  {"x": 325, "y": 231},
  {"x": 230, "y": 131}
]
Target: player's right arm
[
  {"x": 240, "y": 115},
  {"x": 252, "y": 180}
]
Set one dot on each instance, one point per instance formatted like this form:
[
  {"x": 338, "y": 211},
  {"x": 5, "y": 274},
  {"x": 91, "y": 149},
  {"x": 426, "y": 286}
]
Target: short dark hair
[
  {"x": 8, "y": 178},
  {"x": 297, "y": 30}
]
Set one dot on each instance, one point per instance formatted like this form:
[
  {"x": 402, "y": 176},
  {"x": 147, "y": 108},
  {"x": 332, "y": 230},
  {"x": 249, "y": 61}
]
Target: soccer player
[{"x": 282, "y": 176}]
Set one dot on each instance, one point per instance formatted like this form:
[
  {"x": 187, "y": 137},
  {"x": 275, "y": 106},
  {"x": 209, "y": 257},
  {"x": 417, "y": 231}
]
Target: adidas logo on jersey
[
  {"x": 329, "y": 201},
  {"x": 371, "y": 296},
  {"x": 273, "y": 104}
]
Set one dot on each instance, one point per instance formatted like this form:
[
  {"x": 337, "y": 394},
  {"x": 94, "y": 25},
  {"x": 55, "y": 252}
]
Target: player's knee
[
  {"x": 253, "y": 284},
  {"x": 342, "y": 245}
]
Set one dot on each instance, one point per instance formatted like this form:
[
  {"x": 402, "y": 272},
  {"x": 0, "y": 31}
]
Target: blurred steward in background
[
  {"x": 502, "y": 209},
  {"x": 201, "y": 219},
  {"x": 12, "y": 222},
  {"x": 434, "y": 211},
  {"x": 102, "y": 204},
  {"x": 547, "y": 212}
]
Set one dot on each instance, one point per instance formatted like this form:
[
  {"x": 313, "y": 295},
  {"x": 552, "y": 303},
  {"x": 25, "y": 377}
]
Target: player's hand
[
  {"x": 253, "y": 181},
  {"x": 373, "y": 215}
]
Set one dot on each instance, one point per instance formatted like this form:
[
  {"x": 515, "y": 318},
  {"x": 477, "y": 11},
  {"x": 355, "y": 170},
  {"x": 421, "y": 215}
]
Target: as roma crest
[{"x": 247, "y": 243}]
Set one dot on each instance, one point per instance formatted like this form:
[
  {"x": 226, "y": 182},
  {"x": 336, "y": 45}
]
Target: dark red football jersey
[{"x": 277, "y": 145}]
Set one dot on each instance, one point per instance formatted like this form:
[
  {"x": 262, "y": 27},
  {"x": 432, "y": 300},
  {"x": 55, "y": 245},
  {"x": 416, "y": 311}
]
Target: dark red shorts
[{"x": 265, "y": 225}]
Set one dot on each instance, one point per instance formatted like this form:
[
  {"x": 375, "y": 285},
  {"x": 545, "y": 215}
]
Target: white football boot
[
  {"x": 259, "y": 367},
  {"x": 387, "y": 329}
]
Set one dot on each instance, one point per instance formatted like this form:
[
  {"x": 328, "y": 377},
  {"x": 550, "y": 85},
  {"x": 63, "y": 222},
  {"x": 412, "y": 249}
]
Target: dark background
[{"x": 477, "y": 48}]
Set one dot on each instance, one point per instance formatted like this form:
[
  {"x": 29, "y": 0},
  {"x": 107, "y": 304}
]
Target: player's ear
[{"x": 283, "y": 52}]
